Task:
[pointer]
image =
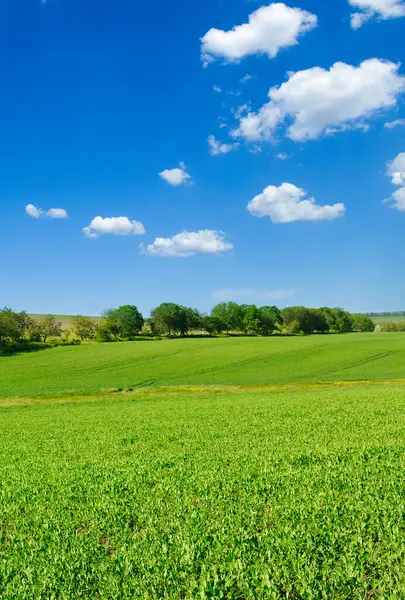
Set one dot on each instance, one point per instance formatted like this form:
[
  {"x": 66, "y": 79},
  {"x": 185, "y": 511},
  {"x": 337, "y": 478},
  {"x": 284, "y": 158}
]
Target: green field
[
  {"x": 223, "y": 361},
  {"x": 66, "y": 320},
  {"x": 238, "y": 496},
  {"x": 234, "y": 469}
]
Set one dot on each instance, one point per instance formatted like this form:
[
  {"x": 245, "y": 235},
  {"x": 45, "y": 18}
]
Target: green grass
[
  {"x": 226, "y": 361},
  {"x": 245, "y": 496}
]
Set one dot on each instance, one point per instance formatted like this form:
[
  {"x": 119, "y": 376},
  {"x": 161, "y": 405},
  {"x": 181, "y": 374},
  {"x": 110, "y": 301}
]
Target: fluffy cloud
[
  {"x": 396, "y": 170},
  {"x": 216, "y": 147},
  {"x": 319, "y": 101},
  {"x": 289, "y": 203},
  {"x": 249, "y": 295},
  {"x": 270, "y": 28},
  {"x": 177, "y": 176},
  {"x": 52, "y": 213},
  {"x": 189, "y": 243},
  {"x": 246, "y": 78},
  {"x": 283, "y": 156},
  {"x": 114, "y": 226},
  {"x": 396, "y": 123},
  {"x": 384, "y": 9}
]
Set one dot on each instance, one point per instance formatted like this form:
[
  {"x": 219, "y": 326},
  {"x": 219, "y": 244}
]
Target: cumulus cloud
[
  {"x": 251, "y": 295},
  {"x": 288, "y": 203},
  {"x": 319, "y": 101},
  {"x": 270, "y": 28},
  {"x": 114, "y": 226},
  {"x": 396, "y": 170},
  {"x": 189, "y": 243},
  {"x": 177, "y": 176},
  {"x": 383, "y": 9},
  {"x": 216, "y": 147},
  {"x": 52, "y": 213},
  {"x": 396, "y": 123}
]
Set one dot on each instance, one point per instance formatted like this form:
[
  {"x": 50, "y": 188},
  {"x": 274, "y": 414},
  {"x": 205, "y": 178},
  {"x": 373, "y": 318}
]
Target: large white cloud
[
  {"x": 384, "y": 9},
  {"x": 319, "y": 101},
  {"x": 177, "y": 176},
  {"x": 52, "y": 213},
  {"x": 189, "y": 243},
  {"x": 270, "y": 28},
  {"x": 288, "y": 203},
  {"x": 396, "y": 170},
  {"x": 114, "y": 226},
  {"x": 216, "y": 147}
]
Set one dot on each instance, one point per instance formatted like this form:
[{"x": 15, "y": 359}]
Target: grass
[
  {"x": 222, "y": 361},
  {"x": 396, "y": 319},
  {"x": 240, "y": 496}
]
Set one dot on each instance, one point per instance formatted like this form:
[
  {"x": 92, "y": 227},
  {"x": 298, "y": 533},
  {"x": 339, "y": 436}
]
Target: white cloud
[
  {"x": 189, "y": 243},
  {"x": 251, "y": 295},
  {"x": 216, "y": 147},
  {"x": 114, "y": 226},
  {"x": 320, "y": 101},
  {"x": 52, "y": 213},
  {"x": 396, "y": 123},
  {"x": 384, "y": 9},
  {"x": 270, "y": 28},
  {"x": 396, "y": 170},
  {"x": 216, "y": 89},
  {"x": 246, "y": 78},
  {"x": 289, "y": 203},
  {"x": 177, "y": 176},
  {"x": 283, "y": 156}
]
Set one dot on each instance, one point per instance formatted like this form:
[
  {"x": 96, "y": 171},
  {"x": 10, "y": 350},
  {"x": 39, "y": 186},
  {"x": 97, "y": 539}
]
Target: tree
[
  {"x": 126, "y": 320},
  {"x": 251, "y": 320},
  {"x": 362, "y": 322},
  {"x": 9, "y": 331},
  {"x": 343, "y": 322},
  {"x": 212, "y": 324},
  {"x": 231, "y": 314},
  {"x": 194, "y": 319},
  {"x": 270, "y": 318},
  {"x": 49, "y": 327},
  {"x": 170, "y": 318},
  {"x": 83, "y": 327}
]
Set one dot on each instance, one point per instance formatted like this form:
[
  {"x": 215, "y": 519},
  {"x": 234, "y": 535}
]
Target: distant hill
[{"x": 65, "y": 319}]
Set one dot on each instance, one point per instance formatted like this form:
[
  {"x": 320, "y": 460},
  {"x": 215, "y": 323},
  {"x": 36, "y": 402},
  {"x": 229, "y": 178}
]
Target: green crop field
[
  {"x": 233, "y": 468},
  {"x": 223, "y": 361},
  {"x": 266, "y": 495}
]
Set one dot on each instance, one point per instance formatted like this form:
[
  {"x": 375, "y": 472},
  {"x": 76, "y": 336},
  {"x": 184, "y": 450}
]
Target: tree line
[{"x": 19, "y": 331}]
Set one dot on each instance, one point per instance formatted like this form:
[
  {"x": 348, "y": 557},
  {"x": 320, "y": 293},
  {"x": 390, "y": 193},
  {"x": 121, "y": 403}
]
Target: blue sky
[{"x": 102, "y": 101}]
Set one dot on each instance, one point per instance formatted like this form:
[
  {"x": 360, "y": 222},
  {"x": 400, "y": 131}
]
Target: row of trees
[
  {"x": 229, "y": 317},
  {"x": 170, "y": 319}
]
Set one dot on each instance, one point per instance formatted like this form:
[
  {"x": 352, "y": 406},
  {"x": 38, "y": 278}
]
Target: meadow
[
  {"x": 218, "y": 361},
  {"x": 227, "y": 468}
]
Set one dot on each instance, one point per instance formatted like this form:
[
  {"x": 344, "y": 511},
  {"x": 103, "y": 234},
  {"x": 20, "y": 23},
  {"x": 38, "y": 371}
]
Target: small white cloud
[
  {"x": 396, "y": 170},
  {"x": 288, "y": 203},
  {"x": 383, "y": 9},
  {"x": 246, "y": 78},
  {"x": 396, "y": 123},
  {"x": 270, "y": 28},
  {"x": 189, "y": 243},
  {"x": 251, "y": 295},
  {"x": 283, "y": 156},
  {"x": 52, "y": 213},
  {"x": 113, "y": 226},
  {"x": 319, "y": 101},
  {"x": 177, "y": 176},
  {"x": 216, "y": 147},
  {"x": 216, "y": 89}
]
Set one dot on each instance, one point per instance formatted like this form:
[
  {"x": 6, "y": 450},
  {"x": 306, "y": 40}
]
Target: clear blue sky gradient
[{"x": 98, "y": 97}]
